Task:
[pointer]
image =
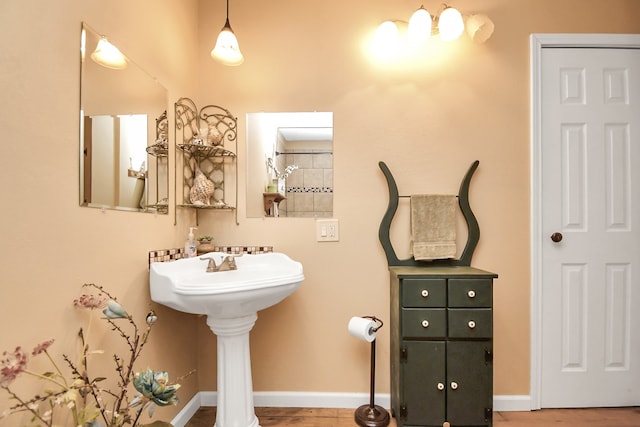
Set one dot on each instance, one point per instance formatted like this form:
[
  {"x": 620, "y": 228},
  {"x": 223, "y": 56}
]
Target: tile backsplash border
[{"x": 167, "y": 255}]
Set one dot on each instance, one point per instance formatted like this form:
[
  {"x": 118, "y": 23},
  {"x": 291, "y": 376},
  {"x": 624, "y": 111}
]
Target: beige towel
[{"x": 433, "y": 226}]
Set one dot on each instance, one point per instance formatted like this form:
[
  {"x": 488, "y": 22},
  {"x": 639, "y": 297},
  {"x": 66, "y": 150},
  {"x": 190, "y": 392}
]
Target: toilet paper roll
[{"x": 362, "y": 328}]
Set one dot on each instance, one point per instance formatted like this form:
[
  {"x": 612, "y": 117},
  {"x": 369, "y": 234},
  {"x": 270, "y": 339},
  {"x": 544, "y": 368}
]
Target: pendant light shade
[
  {"x": 227, "y": 50},
  {"x": 108, "y": 55}
]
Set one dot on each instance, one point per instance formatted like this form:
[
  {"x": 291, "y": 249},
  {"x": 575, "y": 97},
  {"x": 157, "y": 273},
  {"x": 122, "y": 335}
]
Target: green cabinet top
[{"x": 440, "y": 272}]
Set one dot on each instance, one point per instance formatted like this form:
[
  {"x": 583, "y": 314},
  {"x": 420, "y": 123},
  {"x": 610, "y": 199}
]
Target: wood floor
[{"x": 314, "y": 417}]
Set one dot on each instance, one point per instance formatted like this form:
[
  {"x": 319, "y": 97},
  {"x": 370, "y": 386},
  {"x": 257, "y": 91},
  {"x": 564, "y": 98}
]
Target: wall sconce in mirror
[
  {"x": 449, "y": 24},
  {"x": 227, "y": 49},
  {"x": 107, "y": 55}
]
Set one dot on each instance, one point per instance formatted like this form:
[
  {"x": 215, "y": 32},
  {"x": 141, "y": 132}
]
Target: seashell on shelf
[{"x": 202, "y": 189}]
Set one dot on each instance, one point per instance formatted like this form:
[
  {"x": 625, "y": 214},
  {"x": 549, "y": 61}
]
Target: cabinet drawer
[
  {"x": 472, "y": 323},
  {"x": 470, "y": 292},
  {"x": 418, "y": 323},
  {"x": 424, "y": 292}
]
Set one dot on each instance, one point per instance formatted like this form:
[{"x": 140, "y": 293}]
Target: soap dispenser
[{"x": 190, "y": 250}]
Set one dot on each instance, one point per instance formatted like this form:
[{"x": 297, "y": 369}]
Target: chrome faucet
[{"x": 228, "y": 263}]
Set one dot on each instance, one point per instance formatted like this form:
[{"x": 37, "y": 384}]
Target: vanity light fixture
[
  {"x": 107, "y": 55},
  {"x": 448, "y": 23},
  {"x": 227, "y": 50}
]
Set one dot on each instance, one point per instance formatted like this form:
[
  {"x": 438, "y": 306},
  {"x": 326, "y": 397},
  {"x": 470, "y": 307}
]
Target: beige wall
[
  {"x": 51, "y": 246},
  {"x": 428, "y": 121}
]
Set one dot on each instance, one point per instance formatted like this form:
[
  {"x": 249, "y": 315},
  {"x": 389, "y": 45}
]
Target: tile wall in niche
[{"x": 310, "y": 187}]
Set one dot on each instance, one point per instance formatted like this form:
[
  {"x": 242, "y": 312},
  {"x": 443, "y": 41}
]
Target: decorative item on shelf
[
  {"x": 214, "y": 137},
  {"x": 91, "y": 398},
  {"x": 161, "y": 147},
  {"x": 205, "y": 244},
  {"x": 202, "y": 189}
]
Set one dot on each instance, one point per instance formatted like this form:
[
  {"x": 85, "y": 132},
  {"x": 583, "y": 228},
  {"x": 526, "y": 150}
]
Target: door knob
[{"x": 556, "y": 237}]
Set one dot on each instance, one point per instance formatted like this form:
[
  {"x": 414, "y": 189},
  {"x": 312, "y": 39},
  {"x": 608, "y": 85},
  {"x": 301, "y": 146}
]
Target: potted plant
[{"x": 205, "y": 245}]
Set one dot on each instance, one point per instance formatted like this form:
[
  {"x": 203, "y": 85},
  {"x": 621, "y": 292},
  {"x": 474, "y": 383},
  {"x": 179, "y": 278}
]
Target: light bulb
[
  {"x": 419, "y": 26},
  {"x": 108, "y": 55},
  {"x": 450, "y": 24},
  {"x": 386, "y": 40}
]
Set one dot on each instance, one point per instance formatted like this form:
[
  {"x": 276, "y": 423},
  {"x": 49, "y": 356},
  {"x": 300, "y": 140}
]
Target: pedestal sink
[{"x": 231, "y": 300}]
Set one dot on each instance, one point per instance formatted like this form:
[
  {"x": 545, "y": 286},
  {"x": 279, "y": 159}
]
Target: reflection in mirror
[
  {"x": 123, "y": 131},
  {"x": 290, "y": 164}
]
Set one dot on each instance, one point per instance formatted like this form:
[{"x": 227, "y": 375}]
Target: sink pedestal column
[{"x": 235, "y": 386}]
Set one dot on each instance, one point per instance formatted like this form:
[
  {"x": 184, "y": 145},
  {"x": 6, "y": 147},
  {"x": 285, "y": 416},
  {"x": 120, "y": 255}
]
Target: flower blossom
[
  {"x": 155, "y": 387},
  {"x": 13, "y": 365},
  {"x": 115, "y": 311},
  {"x": 90, "y": 301},
  {"x": 151, "y": 318},
  {"x": 42, "y": 347}
]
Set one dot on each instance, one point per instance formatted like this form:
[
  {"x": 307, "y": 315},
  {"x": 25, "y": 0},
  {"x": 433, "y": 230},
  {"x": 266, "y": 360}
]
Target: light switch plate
[{"x": 327, "y": 230}]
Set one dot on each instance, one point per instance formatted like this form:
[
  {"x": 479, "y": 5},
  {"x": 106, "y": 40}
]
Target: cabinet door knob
[
  {"x": 471, "y": 294},
  {"x": 440, "y": 386},
  {"x": 472, "y": 324},
  {"x": 424, "y": 293},
  {"x": 454, "y": 385},
  {"x": 425, "y": 323},
  {"x": 556, "y": 237}
]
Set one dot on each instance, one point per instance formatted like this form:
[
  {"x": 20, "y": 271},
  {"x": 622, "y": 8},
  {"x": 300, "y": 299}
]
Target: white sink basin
[
  {"x": 231, "y": 300},
  {"x": 261, "y": 280}
]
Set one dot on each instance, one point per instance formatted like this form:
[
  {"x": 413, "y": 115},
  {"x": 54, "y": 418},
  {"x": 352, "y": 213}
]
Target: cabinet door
[
  {"x": 469, "y": 383},
  {"x": 423, "y": 383}
]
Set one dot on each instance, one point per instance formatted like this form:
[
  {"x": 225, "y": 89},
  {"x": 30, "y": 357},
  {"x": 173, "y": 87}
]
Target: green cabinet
[{"x": 441, "y": 346}]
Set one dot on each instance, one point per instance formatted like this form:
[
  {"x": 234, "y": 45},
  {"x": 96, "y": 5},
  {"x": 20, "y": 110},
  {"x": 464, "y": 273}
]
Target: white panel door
[{"x": 590, "y": 291}]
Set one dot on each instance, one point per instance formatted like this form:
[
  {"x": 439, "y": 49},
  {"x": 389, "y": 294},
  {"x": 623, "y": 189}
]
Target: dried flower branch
[{"x": 90, "y": 402}]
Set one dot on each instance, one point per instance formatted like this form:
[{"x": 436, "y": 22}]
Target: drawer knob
[
  {"x": 440, "y": 386},
  {"x": 471, "y": 294},
  {"x": 425, "y": 323},
  {"x": 472, "y": 324},
  {"x": 424, "y": 293},
  {"x": 454, "y": 385}
]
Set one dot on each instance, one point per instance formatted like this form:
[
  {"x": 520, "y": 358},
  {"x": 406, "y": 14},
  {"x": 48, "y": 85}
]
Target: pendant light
[{"x": 227, "y": 50}]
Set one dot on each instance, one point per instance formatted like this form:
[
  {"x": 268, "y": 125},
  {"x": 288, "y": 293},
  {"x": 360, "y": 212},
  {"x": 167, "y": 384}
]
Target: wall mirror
[
  {"x": 123, "y": 132},
  {"x": 290, "y": 164}
]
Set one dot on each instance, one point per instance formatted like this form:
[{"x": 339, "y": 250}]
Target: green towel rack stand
[{"x": 463, "y": 201}]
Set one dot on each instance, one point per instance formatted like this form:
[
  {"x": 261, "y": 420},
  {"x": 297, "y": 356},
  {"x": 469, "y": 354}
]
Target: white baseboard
[
  {"x": 511, "y": 402},
  {"x": 293, "y": 399}
]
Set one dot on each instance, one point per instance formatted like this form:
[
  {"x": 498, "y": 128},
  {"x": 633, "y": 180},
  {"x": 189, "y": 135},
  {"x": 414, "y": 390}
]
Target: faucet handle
[{"x": 211, "y": 266}]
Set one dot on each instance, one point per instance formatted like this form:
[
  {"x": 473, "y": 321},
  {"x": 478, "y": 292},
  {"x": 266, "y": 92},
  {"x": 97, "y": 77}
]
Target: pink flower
[
  {"x": 13, "y": 365},
  {"x": 91, "y": 301},
  {"x": 40, "y": 348}
]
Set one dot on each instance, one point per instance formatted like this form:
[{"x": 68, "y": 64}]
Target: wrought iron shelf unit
[{"x": 206, "y": 138}]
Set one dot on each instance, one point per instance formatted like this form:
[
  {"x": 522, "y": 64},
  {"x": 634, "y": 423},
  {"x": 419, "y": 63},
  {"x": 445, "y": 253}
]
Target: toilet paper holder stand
[{"x": 372, "y": 415}]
